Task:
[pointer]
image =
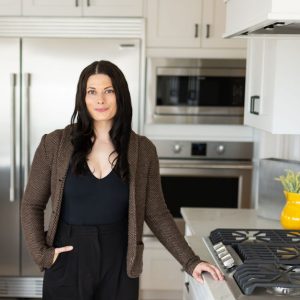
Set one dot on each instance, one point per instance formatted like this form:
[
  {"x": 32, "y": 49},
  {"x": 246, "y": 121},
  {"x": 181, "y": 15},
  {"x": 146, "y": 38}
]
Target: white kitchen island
[{"x": 199, "y": 223}]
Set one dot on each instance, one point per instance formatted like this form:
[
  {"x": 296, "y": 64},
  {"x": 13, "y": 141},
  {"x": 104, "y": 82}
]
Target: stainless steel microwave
[{"x": 195, "y": 91}]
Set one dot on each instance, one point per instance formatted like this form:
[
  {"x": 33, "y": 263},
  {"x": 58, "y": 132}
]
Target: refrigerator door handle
[
  {"x": 12, "y": 189},
  {"x": 26, "y": 128}
]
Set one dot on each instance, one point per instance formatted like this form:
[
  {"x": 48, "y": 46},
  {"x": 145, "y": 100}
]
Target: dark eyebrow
[{"x": 90, "y": 87}]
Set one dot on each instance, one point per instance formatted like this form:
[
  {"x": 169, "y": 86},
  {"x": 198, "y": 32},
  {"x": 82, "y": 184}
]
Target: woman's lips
[{"x": 101, "y": 109}]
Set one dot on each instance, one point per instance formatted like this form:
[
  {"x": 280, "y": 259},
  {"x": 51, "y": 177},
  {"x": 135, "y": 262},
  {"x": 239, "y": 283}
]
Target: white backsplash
[
  {"x": 278, "y": 145},
  {"x": 267, "y": 145}
]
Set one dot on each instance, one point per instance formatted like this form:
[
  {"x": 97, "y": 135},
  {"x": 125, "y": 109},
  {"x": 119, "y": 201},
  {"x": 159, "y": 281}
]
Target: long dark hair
[{"x": 83, "y": 134}]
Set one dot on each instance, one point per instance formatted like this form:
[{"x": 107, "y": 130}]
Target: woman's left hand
[{"x": 205, "y": 266}]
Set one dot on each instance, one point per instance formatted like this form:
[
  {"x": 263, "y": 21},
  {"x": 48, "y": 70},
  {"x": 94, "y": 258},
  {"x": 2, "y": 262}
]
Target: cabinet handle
[
  {"x": 253, "y": 101},
  {"x": 76, "y": 3},
  {"x": 196, "y": 30},
  {"x": 127, "y": 45},
  {"x": 207, "y": 31},
  {"x": 13, "y": 139},
  {"x": 87, "y": 2}
]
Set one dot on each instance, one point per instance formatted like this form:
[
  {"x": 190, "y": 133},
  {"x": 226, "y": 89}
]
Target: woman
[{"x": 104, "y": 182}]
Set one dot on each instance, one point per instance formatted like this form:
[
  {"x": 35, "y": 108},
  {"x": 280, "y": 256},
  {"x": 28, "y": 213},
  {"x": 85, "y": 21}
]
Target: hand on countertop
[{"x": 207, "y": 267}]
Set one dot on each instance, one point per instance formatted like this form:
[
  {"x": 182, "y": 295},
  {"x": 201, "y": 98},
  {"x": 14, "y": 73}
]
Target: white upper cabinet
[
  {"x": 52, "y": 7},
  {"x": 213, "y": 27},
  {"x": 111, "y": 8},
  {"x": 188, "y": 24},
  {"x": 10, "y": 7},
  {"x": 118, "y": 8},
  {"x": 272, "y": 98},
  {"x": 173, "y": 23}
]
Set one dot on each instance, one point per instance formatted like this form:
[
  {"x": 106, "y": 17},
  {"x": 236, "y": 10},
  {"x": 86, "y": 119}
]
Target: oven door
[{"x": 214, "y": 184}]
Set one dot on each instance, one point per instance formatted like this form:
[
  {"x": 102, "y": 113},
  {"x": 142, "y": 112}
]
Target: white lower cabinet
[
  {"x": 194, "y": 290},
  {"x": 162, "y": 276},
  {"x": 188, "y": 289}
]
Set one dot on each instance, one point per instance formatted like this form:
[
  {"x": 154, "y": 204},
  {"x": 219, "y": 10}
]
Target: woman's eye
[
  {"x": 91, "y": 92},
  {"x": 109, "y": 91}
]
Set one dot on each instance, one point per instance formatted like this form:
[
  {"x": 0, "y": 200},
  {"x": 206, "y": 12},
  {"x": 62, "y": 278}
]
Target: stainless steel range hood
[
  {"x": 278, "y": 27},
  {"x": 262, "y": 17}
]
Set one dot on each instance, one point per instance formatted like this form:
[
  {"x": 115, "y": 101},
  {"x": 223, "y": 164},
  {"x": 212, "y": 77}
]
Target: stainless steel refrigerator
[{"x": 38, "y": 80}]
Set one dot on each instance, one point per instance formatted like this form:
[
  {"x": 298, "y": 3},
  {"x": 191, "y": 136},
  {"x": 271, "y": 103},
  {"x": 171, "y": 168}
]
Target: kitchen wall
[
  {"x": 277, "y": 145},
  {"x": 266, "y": 145}
]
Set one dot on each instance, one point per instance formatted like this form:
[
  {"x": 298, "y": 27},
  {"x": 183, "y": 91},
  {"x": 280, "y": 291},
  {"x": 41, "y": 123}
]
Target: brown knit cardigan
[{"x": 146, "y": 202}]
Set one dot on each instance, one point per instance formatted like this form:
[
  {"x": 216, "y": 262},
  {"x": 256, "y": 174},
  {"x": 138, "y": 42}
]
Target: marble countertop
[{"x": 201, "y": 221}]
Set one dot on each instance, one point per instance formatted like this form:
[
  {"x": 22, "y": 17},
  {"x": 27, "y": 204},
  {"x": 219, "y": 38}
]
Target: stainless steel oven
[
  {"x": 204, "y": 174},
  {"x": 205, "y": 91}
]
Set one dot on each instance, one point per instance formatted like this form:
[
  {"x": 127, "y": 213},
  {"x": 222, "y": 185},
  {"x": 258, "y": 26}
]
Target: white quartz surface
[{"x": 200, "y": 222}]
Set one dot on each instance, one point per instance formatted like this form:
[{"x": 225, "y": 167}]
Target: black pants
[{"x": 95, "y": 268}]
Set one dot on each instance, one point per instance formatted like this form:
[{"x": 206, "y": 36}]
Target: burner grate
[
  {"x": 282, "y": 254},
  {"x": 261, "y": 275},
  {"x": 229, "y": 236}
]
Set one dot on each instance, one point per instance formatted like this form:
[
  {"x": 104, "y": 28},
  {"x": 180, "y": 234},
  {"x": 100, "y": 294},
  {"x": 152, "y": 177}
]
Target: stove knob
[
  {"x": 218, "y": 245},
  {"x": 229, "y": 263},
  {"x": 176, "y": 148},
  {"x": 226, "y": 257},
  {"x": 222, "y": 254},
  {"x": 221, "y": 249},
  {"x": 220, "y": 149}
]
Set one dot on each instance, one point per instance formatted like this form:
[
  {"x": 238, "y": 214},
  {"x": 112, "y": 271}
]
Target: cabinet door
[
  {"x": 10, "y": 7},
  {"x": 173, "y": 23},
  {"x": 52, "y": 7},
  {"x": 160, "y": 269},
  {"x": 9, "y": 158},
  {"x": 213, "y": 27},
  {"x": 259, "y": 98},
  {"x": 113, "y": 8},
  {"x": 272, "y": 85}
]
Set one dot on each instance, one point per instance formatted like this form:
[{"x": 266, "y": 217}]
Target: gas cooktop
[{"x": 258, "y": 263}]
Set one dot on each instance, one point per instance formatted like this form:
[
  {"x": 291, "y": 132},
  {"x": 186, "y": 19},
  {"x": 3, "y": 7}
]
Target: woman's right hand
[{"x": 60, "y": 250}]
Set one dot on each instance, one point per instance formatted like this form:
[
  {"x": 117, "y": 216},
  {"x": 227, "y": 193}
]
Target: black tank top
[{"x": 88, "y": 200}]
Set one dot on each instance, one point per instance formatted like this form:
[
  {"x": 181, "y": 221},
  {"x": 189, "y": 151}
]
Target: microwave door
[{"x": 197, "y": 93}]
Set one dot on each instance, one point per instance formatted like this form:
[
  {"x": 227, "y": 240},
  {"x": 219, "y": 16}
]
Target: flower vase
[{"x": 290, "y": 215}]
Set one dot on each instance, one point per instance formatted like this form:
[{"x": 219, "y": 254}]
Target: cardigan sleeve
[
  {"x": 161, "y": 222},
  {"x": 33, "y": 204}
]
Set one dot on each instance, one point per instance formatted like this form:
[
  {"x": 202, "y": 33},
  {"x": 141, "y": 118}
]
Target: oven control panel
[
  {"x": 199, "y": 149},
  {"x": 204, "y": 150}
]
